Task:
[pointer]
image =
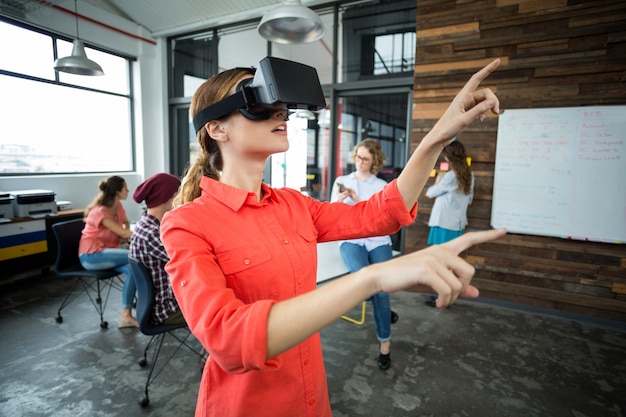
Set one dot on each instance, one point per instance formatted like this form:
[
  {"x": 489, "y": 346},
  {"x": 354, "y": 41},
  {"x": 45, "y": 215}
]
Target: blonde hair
[
  {"x": 375, "y": 148},
  {"x": 209, "y": 162}
]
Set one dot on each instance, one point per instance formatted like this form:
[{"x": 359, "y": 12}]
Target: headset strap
[{"x": 220, "y": 109}]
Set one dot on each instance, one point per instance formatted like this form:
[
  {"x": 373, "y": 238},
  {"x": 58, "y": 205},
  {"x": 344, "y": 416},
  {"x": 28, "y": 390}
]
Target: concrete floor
[{"x": 475, "y": 359}]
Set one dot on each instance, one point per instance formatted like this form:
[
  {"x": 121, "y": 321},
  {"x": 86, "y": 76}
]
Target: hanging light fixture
[
  {"x": 78, "y": 63},
  {"x": 291, "y": 22}
]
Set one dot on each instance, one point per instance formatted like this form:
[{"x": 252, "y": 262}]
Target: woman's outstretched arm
[
  {"x": 468, "y": 105},
  {"x": 436, "y": 269}
]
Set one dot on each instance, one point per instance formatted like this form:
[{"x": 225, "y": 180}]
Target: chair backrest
[
  {"x": 67, "y": 234},
  {"x": 145, "y": 295}
]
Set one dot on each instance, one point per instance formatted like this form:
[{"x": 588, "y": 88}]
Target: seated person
[
  {"x": 102, "y": 240},
  {"x": 158, "y": 192}
]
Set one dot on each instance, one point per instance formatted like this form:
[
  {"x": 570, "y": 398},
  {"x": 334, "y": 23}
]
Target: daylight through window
[{"x": 55, "y": 123}]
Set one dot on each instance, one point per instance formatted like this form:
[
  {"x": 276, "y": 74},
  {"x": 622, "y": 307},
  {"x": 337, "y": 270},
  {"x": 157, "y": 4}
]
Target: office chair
[
  {"x": 67, "y": 265},
  {"x": 145, "y": 306}
]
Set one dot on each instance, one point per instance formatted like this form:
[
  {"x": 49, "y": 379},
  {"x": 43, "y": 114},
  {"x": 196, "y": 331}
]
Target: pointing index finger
[
  {"x": 479, "y": 76},
  {"x": 467, "y": 240}
]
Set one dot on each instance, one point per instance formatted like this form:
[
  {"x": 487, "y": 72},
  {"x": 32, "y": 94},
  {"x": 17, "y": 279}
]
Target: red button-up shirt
[{"x": 231, "y": 258}]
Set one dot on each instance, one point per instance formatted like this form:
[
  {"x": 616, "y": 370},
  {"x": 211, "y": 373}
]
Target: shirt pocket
[
  {"x": 248, "y": 273},
  {"x": 239, "y": 259},
  {"x": 307, "y": 238},
  {"x": 307, "y": 251},
  {"x": 309, "y": 234}
]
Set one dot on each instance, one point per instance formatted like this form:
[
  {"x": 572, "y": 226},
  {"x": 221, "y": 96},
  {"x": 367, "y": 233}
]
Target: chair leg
[
  {"x": 71, "y": 296},
  {"x": 100, "y": 306},
  {"x": 155, "y": 343},
  {"x": 97, "y": 299},
  {"x": 355, "y": 321},
  {"x": 144, "y": 361}
]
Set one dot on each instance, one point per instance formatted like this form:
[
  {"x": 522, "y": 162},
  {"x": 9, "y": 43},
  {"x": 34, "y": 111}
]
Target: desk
[
  {"x": 28, "y": 243},
  {"x": 329, "y": 262}
]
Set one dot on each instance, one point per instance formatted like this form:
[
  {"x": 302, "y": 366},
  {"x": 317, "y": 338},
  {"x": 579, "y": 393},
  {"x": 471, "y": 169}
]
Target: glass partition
[
  {"x": 193, "y": 60},
  {"x": 240, "y": 47},
  {"x": 381, "y": 39},
  {"x": 380, "y": 116},
  {"x": 371, "y": 41}
]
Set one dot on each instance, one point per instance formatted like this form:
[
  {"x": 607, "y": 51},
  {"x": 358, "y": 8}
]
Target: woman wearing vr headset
[{"x": 243, "y": 255}]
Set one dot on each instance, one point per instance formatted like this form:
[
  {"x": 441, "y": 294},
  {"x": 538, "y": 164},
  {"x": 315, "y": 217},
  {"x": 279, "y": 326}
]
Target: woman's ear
[{"x": 215, "y": 130}]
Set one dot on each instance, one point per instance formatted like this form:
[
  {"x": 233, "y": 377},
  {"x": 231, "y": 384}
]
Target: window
[
  {"x": 394, "y": 53},
  {"x": 55, "y": 123},
  {"x": 381, "y": 38}
]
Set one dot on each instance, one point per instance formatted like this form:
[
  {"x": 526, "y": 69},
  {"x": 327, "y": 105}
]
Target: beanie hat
[{"x": 156, "y": 189}]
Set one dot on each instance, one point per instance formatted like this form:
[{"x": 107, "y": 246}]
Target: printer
[
  {"x": 6, "y": 206},
  {"x": 33, "y": 203}
]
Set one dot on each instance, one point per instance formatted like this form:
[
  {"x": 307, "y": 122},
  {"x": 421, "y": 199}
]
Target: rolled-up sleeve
[{"x": 382, "y": 214}]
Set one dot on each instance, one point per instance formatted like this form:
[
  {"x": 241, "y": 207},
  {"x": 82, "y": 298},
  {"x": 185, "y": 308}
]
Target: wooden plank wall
[{"x": 555, "y": 53}]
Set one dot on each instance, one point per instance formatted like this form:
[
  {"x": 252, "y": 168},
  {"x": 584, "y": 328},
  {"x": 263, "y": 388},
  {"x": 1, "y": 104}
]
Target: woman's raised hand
[
  {"x": 437, "y": 268},
  {"x": 468, "y": 105}
]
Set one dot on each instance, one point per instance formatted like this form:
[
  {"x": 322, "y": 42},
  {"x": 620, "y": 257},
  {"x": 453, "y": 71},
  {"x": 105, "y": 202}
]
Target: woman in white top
[
  {"x": 453, "y": 193},
  {"x": 359, "y": 185}
]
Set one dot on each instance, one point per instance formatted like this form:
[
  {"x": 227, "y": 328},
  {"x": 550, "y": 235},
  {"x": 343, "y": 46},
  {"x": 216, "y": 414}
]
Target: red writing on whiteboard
[{"x": 610, "y": 143}]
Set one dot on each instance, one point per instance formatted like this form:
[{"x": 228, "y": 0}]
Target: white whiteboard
[{"x": 562, "y": 172}]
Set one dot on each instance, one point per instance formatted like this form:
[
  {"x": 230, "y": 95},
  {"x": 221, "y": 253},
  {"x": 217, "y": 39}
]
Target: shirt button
[
  {"x": 285, "y": 241},
  {"x": 183, "y": 283},
  {"x": 246, "y": 261},
  {"x": 311, "y": 402},
  {"x": 306, "y": 362}
]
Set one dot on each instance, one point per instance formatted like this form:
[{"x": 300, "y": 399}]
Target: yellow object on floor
[{"x": 355, "y": 321}]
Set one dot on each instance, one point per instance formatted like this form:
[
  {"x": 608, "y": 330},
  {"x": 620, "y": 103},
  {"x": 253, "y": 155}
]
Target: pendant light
[
  {"x": 78, "y": 63},
  {"x": 291, "y": 22}
]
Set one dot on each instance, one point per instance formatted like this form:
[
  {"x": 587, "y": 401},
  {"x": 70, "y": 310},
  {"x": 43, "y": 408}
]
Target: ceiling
[{"x": 166, "y": 17}]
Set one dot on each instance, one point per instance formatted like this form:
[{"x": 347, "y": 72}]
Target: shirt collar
[
  {"x": 369, "y": 180},
  {"x": 149, "y": 218},
  {"x": 233, "y": 197}
]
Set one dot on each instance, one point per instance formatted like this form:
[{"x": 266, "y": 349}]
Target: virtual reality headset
[{"x": 276, "y": 83}]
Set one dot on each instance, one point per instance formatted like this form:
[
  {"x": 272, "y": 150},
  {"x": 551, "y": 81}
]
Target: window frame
[{"x": 128, "y": 96}]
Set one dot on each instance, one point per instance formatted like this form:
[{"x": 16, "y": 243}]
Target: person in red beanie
[{"x": 157, "y": 192}]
